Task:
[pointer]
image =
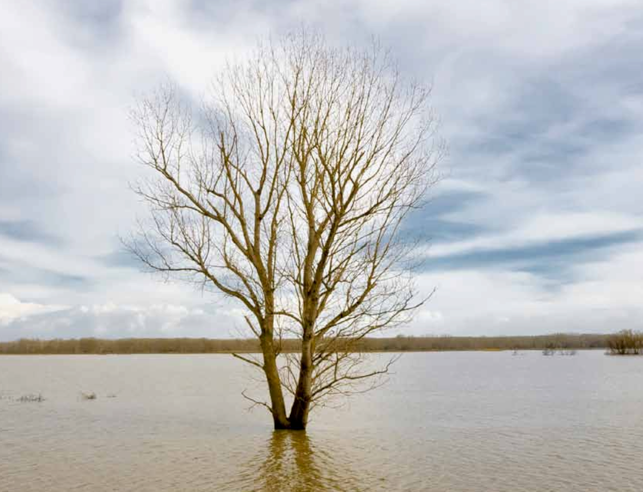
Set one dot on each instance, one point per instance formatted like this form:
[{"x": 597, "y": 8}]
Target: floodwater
[{"x": 465, "y": 421}]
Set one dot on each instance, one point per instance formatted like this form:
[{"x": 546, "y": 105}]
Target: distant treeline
[{"x": 214, "y": 346}]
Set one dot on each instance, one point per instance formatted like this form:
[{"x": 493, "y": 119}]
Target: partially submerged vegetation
[
  {"x": 626, "y": 342},
  {"x": 31, "y": 398},
  {"x": 553, "y": 348},
  {"x": 564, "y": 342}
]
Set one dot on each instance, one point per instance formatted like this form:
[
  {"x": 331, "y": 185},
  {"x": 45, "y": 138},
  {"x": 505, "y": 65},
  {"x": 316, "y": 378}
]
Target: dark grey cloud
[
  {"x": 31, "y": 148},
  {"x": 440, "y": 230},
  {"x": 552, "y": 259},
  {"x": 554, "y": 115},
  {"x": 535, "y": 140},
  {"x": 93, "y": 25},
  {"x": 22, "y": 272},
  {"x": 121, "y": 258},
  {"x": 29, "y": 231},
  {"x": 430, "y": 223},
  {"x": 94, "y": 13},
  {"x": 448, "y": 202}
]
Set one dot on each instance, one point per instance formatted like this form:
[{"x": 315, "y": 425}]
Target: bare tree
[{"x": 286, "y": 191}]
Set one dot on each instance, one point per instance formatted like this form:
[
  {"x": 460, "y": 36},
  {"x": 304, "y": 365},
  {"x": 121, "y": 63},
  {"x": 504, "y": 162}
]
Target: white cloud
[
  {"x": 111, "y": 320},
  {"x": 12, "y": 309}
]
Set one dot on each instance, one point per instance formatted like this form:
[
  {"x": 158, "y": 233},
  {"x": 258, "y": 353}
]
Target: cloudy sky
[{"x": 536, "y": 228}]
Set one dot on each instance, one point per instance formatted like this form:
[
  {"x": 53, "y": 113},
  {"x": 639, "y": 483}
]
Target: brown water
[{"x": 445, "y": 422}]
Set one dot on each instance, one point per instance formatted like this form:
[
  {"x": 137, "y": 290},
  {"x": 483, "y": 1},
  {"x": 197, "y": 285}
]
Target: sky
[{"x": 536, "y": 226}]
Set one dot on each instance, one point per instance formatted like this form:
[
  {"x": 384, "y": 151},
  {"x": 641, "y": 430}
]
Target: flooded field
[{"x": 466, "y": 421}]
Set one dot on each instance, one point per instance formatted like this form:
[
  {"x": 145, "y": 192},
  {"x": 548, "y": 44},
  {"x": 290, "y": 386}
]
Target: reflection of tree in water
[{"x": 293, "y": 463}]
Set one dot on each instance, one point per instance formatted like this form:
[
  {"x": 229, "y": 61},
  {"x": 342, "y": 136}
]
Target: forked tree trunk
[
  {"x": 298, "y": 418},
  {"x": 274, "y": 384},
  {"x": 303, "y": 394}
]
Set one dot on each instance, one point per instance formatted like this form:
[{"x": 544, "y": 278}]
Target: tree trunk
[
  {"x": 301, "y": 404},
  {"x": 274, "y": 383}
]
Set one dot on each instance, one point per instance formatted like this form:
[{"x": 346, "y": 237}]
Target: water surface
[{"x": 462, "y": 421}]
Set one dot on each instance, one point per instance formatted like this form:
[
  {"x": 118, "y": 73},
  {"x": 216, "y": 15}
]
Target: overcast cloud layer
[{"x": 538, "y": 226}]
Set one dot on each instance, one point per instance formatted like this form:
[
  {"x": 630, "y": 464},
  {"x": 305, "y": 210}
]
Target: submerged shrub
[
  {"x": 626, "y": 342},
  {"x": 31, "y": 398},
  {"x": 567, "y": 351},
  {"x": 550, "y": 349}
]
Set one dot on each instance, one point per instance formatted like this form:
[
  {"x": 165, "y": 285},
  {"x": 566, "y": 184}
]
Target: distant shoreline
[
  {"x": 123, "y": 346},
  {"x": 435, "y": 351}
]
